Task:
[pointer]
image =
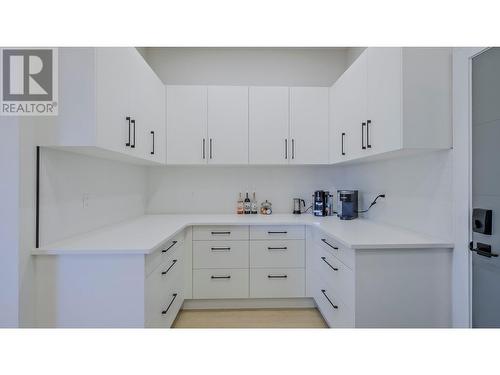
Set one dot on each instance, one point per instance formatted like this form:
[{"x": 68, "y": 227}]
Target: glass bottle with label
[
  {"x": 247, "y": 205},
  {"x": 253, "y": 207},
  {"x": 240, "y": 209}
]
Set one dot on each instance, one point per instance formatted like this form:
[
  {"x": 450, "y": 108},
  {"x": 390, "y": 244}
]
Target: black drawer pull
[
  {"x": 220, "y": 277},
  {"x": 277, "y": 248},
  {"x": 174, "y": 296},
  {"x": 329, "y": 300},
  {"x": 277, "y": 276},
  {"x": 168, "y": 248},
  {"x": 168, "y": 269},
  {"x": 221, "y": 233},
  {"x": 220, "y": 249},
  {"x": 277, "y": 232},
  {"x": 332, "y": 267},
  {"x": 329, "y": 244}
]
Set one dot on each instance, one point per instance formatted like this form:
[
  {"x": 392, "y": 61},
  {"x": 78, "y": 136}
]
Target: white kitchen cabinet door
[
  {"x": 186, "y": 125},
  {"x": 113, "y": 98},
  {"x": 354, "y": 103},
  {"x": 228, "y": 125},
  {"x": 384, "y": 99},
  {"x": 309, "y": 128},
  {"x": 269, "y": 124}
]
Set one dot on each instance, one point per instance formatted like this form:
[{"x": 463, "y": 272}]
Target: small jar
[{"x": 266, "y": 208}]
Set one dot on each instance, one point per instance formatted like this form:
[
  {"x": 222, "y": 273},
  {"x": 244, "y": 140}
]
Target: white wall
[
  {"x": 9, "y": 222},
  {"x": 207, "y": 189},
  {"x": 115, "y": 192},
  {"x": 248, "y": 66},
  {"x": 418, "y": 191}
]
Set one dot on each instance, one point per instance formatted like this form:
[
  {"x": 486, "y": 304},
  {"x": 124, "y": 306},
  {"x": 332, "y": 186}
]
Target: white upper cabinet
[
  {"x": 309, "y": 128},
  {"x": 110, "y": 103},
  {"x": 269, "y": 124},
  {"x": 392, "y": 99},
  {"x": 187, "y": 125},
  {"x": 228, "y": 125}
]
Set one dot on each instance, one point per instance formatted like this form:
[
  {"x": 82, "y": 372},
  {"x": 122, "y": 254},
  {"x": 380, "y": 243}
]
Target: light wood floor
[{"x": 250, "y": 318}]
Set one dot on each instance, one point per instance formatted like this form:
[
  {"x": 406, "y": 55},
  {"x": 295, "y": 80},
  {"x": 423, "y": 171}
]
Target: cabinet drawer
[
  {"x": 220, "y": 283},
  {"x": 336, "y": 275},
  {"x": 164, "y": 252},
  {"x": 344, "y": 254},
  {"x": 277, "y": 232},
  {"x": 220, "y": 232},
  {"x": 277, "y": 282},
  {"x": 277, "y": 253},
  {"x": 336, "y": 313},
  {"x": 220, "y": 254}
]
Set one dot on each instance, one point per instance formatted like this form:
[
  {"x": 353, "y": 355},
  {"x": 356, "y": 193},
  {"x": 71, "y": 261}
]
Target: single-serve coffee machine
[{"x": 347, "y": 204}]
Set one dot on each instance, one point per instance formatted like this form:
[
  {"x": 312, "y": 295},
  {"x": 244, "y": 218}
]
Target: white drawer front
[
  {"x": 336, "y": 313},
  {"x": 164, "y": 252},
  {"x": 220, "y": 232},
  {"x": 344, "y": 254},
  {"x": 277, "y": 253},
  {"x": 220, "y": 254},
  {"x": 277, "y": 232},
  {"x": 277, "y": 283},
  {"x": 337, "y": 275},
  {"x": 220, "y": 283}
]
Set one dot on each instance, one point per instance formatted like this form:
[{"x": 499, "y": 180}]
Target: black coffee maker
[{"x": 320, "y": 203}]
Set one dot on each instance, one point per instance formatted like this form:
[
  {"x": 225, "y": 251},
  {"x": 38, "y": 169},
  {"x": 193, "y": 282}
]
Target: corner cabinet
[
  {"x": 111, "y": 105},
  {"x": 392, "y": 100}
]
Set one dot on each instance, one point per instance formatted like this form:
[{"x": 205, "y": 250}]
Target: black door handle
[
  {"x": 368, "y": 144},
  {"x": 153, "y": 134},
  {"x": 363, "y": 124},
  {"x": 133, "y": 123},
  {"x": 128, "y": 119},
  {"x": 342, "y": 144}
]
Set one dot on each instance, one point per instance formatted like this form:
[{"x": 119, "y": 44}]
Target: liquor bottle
[
  {"x": 253, "y": 208},
  {"x": 240, "y": 209},
  {"x": 247, "y": 205}
]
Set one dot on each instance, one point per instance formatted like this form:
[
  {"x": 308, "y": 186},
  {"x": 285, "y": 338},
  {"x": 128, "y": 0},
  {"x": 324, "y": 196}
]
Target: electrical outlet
[{"x": 85, "y": 200}]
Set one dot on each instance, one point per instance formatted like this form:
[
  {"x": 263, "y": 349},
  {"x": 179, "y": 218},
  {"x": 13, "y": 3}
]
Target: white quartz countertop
[{"x": 143, "y": 234}]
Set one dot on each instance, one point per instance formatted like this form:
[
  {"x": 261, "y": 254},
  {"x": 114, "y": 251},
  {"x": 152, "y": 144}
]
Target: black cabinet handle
[
  {"x": 153, "y": 134},
  {"x": 368, "y": 144},
  {"x": 220, "y": 249},
  {"x": 332, "y": 267},
  {"x": 168, "y": 248},
  {"x": 210, "y": 148},
  {"x": 203, "y": 149},
  {"x": 277, "y": 276},
  {"x": 329, "y": 244},
  {"x": 174, "y": 296},
  {"x": 133, "y": 123},
  {"x": 363, "y": 124},
  {"x": 277, "y": 248},
  {"x": 329, "y": 300},
  {"x": 286, "y": 148},
  {"x": 293, "y": 148},
  {"x": 220, "y": 233},
  {"x": 220, "y": 277},
  {"x": 282, "y": 232},
  {"x": 128, "y": 120},
  {"x": 170, "y": 267},
  {"x": 342, "y": 144}
]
